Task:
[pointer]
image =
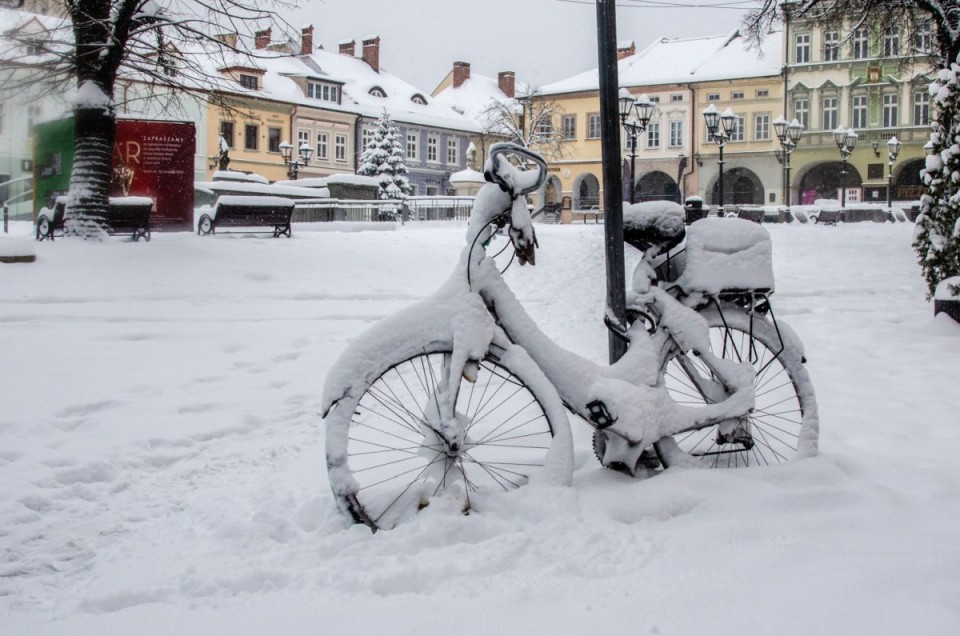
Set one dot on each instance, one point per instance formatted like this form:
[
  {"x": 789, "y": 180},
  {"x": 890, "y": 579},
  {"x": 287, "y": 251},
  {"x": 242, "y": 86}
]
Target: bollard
[{"x": 6, "y": 219}]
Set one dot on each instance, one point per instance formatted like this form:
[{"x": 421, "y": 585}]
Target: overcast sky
[{"x": 541, "y": 40}]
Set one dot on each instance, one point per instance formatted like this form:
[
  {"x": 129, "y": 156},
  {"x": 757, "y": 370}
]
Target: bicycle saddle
[{"x": 653, "y": 223}]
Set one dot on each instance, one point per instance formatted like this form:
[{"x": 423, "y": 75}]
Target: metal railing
[{"x": 413, "y": 209}]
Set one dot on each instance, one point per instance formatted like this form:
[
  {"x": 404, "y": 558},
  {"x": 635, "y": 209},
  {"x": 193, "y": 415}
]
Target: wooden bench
[
  {"x": 829, "y": 217},
  {"x": 751, "y": 214},
  {"x": 248, "y": 212},
  {"x": 125, "y": 216}
]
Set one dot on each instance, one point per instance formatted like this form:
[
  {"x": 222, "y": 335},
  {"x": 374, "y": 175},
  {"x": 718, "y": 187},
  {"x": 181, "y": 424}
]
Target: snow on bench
[{"x": 248, "y": 212}]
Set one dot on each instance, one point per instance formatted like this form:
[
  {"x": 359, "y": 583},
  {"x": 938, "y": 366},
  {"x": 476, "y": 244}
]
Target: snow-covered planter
[
  {"x": 946, "y": 300},
  {"x": 15, "y": 249}
]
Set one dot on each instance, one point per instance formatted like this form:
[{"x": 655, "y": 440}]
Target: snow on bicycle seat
[
  {"x": 653, "y": 223},
  {"x": 727, "y": 254}
]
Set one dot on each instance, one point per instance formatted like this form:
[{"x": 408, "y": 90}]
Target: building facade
[{"x": 871, "y": 79}]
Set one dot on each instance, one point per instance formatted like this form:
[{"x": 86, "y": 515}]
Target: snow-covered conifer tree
[
  {"x": 937, "y": 239},
  {"x": 384, "y": 158}
]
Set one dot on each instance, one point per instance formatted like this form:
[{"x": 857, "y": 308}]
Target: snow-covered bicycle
[{"x": 462, "y": 394}]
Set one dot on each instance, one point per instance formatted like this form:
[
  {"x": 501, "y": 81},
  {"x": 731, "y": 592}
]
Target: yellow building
[{"x": 676, "y": 75}]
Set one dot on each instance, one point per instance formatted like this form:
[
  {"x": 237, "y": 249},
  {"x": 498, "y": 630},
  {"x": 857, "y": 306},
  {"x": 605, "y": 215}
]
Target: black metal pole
[
  {"x": 890, "y": 189},
  {"x": 633, "y": 164},
  {"x": 612, "y": 187},
  {"x": 843, "y": 182},
  {"x": 722, "y": 211},
  {"x": 789, "y": 192}
]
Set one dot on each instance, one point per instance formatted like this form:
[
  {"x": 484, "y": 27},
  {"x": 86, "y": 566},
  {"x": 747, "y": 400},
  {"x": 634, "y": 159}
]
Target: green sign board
[{"x": 52, "y": 161}]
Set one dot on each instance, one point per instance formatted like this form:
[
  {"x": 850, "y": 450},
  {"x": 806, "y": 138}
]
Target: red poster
[{"x": 155, "y": 159}]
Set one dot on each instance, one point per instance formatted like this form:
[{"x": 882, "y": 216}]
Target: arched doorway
[
  {"x": 822, "y": 181},
  {"x": 586, "y": 192},
  {"x": 657, "y": 186},
  {"x": 907, "y": 185},
  {"x": 741, "y": 186},
  {"x": 552, "y": 190}
]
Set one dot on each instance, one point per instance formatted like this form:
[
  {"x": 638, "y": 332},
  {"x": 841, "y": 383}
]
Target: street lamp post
[
  {"x": 789, "y": 137},
  {"x": 643, "y": 108},
  {"x": 719, "y": 128},
  {"x": 893, "y": 149},
  {"x": 846, "y": 141},
  {"x": 293, "y": 163}
]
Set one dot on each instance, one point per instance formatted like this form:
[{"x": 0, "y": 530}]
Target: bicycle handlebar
[{"x": 507, "y": 176}]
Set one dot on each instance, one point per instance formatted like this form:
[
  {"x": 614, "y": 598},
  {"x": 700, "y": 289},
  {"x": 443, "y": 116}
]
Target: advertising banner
[{"x": 150, "y": 158}]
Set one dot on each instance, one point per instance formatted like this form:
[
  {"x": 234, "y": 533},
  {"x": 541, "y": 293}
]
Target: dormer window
[
  {"x": 248, "y": 81},
  {"x": 323, "y": 92},
  {"x": 419, "y": 99},
  {"x": 34, "y": 47},
  {"x": 376, "y": 91}
]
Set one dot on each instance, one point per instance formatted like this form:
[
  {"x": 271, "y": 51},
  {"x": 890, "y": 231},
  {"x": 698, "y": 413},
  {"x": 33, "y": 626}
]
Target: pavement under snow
[{"x": 162, "y": 470}]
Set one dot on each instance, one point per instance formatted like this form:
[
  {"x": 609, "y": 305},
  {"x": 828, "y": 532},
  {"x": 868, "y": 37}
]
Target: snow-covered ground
[{"x": 162, "y": 472}]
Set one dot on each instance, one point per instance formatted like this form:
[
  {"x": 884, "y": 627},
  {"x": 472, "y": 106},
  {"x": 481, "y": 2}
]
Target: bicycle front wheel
[
  {"x": 784, "y": 423},
  {"x": 386, "y": 459}
]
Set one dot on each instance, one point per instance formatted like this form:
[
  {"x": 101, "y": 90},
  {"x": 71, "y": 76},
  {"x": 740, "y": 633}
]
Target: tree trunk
[{"x": 95, "y": 131}]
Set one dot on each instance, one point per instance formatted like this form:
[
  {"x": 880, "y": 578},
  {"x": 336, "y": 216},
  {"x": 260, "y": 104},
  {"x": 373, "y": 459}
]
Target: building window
[
  {"x": 376, "y": 91},
  {"x": 248, "y": 81},
  {"x": 367, "y": 137},
  {"x": 569, "y": 127},
  {"x": 801, "y": 112},
  {"x": 921, "y": 108},
  {"x": 419, "y": 99},
  {"x": 251, "y": 132},
  {"x": 737, "y": 133},
  {"x": 922, "y": 39},
  {"x": 35, "y": 47},
  {"x": 890, "y": 104},
  {"x": 653, "y": 134},
  {"x": 861, "y": 44},
  {"x": 544, "y": 126},
  {"x": 322, "y": 142},
  {"x": 414, "y": 189},
  {"x": 713, "y": 97},
  {"x": 830, "y": 119},
  {"x": 34, "y": 113},
  {"x": 891, "y": 41},
  {"x": 676, "y": 134},
  {"x": 303, "y": 139},
  {"x": 859, "y": 111},
  {"x": 593, "y": 126},
  {"x": 803, "y": 48},
  {"x": 762, "y": 92},
  {"x": 340, "y": 147},
  {"x": 273, "y": 139},
  {"x": 453, "y": 153},
  {"x": 736, "y": 95},
  {"x": 831, "y": 46},
  {"x": 761, "y": 127},
  {"x": 323, "y": 92},
  {"x": 432, "y": 144},
  {"x": 413, "y": 143},
  {"x": 226, "y": 131},
  {"x": 676, "y": 98}
]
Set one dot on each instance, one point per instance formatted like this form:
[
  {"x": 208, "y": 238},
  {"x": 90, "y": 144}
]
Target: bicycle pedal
[{"x": 599, "y": 414}]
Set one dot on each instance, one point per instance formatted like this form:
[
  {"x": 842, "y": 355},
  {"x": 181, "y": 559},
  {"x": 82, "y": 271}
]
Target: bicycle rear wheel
[
  {"x": 386, "y": 459},
  {"x": 784, "y": 423}
]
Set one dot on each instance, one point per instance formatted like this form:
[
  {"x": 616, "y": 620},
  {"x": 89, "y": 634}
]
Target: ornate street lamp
[
  {"x": 293, "y": 164},
  {"x": 846, "y": 141},
  {"x": 789, "y": 136},
  {"x": 719, "y": 128},
  {"x": 643, "y": 109},
  {"x": 893, "y": 149}
]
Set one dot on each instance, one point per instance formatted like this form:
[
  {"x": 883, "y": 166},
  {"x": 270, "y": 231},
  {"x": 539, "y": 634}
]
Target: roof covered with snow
[
  {"x": 475, "y": 95},
  {"x": 680, "y": 61}
]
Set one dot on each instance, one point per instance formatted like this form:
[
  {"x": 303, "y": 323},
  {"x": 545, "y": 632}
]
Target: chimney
[
  {"x": 348, "y": 47},
  {"x": 461, "y": 73},
  {"x": 625, "y": 49},
  {"x": 261, "y": 39},
  {"x": 371, "y": 52},
  {"x": 507, "y": 82},
  {"x": 306, "y": 40}
]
